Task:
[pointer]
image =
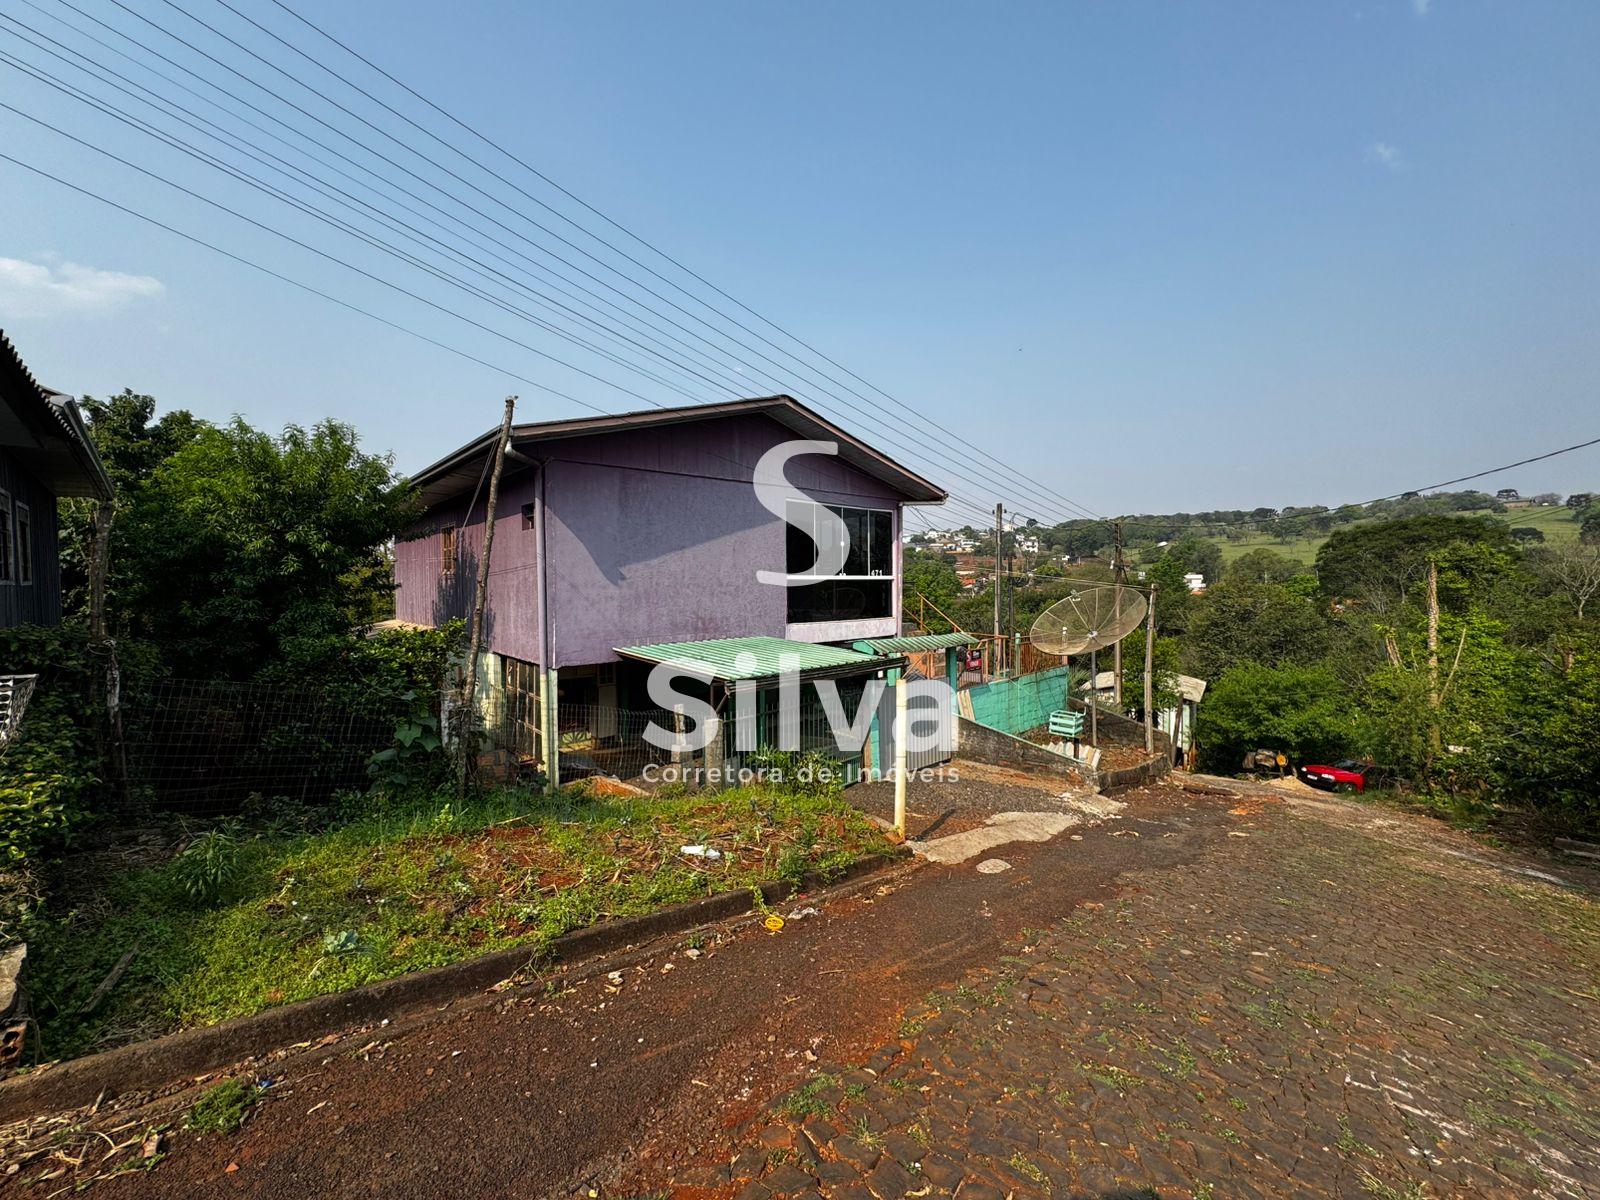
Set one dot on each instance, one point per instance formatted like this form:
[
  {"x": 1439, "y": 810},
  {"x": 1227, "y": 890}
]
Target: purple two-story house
[{"x": 621, "y": 541}]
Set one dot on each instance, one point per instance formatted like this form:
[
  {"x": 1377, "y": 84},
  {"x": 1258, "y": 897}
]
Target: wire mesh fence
[
  {"x": 598, "y": 739},
  {"x": 205, "y": 747}
]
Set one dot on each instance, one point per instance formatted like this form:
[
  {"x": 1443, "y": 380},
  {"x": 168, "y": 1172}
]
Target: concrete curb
[{"x": 143, "y": 1066}]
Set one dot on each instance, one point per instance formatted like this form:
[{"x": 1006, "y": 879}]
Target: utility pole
[
  {"x": 466, "y": 746},
  {"x": 1149, "y": 674},
  {"x": 1116, "y": 651},
  {"x": 1433, "y": 664},
  {"x": 999, "y": 647}
]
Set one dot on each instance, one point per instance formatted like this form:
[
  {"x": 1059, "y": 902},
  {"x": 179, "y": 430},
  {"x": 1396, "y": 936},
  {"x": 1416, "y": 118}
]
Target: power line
[
  {"x": 607, "y": 219},
  {"x": 480, "y": 191},
  {"x": 305, "y": 287},
  {"x": 322, "y": 253},
  {"x": 254, "y": 181},
  {"x": 302, "y": 286},
  {"x": 471, "y": 233},
  {"x": 985, "y": 483},
  {"x": 368, "y": 239}
]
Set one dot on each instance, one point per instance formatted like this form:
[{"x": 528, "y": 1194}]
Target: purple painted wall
[
  {"x": 654, "y": 536},
  {"x": 427, "y": 596}
]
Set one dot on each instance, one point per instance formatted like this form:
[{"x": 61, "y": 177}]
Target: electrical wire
[{"x": 460, "y": 179}]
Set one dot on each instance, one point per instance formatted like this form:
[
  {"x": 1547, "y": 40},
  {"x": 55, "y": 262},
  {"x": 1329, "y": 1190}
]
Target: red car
[{"x": 1346, "y": 775}]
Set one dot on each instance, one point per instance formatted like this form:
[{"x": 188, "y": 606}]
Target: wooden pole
[
  {"x": 999, "y": 649},
  {"x": 1149, "y": 675},
  {"x": 1094, "y": 698},
  {"x": 1116, "y": 650},
  {"x": 900, "y": 757},
  {"x": 101, "y": 639},
  {"x": 466, "y": 746},
  {"x": 1433, "y": 662}
]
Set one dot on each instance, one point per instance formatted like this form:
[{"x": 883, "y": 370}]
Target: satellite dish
[{"x": 1090, "y": 618}]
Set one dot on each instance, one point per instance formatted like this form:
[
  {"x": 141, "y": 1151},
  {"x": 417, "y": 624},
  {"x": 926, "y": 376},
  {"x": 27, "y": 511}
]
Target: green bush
[
  {"x": 50, "y": 775},
  {"x": 1302, "y": 711},
  {"x": 208, "y": 866}
]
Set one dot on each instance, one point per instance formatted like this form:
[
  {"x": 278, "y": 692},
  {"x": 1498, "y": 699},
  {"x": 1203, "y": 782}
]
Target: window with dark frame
[
  {"x": 863, "y": 589},
  {"x": 447, "y": 550},
  {"x": 24, "y": 544}
]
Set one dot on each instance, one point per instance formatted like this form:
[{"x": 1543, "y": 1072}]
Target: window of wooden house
[
  {"x": 24, "y": 544},
  {"x": 447, "y": 551},
  {"x": 8, "y": 556}
]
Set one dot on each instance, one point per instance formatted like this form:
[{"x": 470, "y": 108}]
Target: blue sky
[{"x": 1156, "y": 256}]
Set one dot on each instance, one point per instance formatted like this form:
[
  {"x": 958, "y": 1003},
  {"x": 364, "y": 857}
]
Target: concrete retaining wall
[
  {"x": 1004, "y": 708},
  {"x": 979, "y": 743}
]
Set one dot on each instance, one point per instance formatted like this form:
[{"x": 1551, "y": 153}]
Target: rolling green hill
[{"x": 1558, "y": 524}]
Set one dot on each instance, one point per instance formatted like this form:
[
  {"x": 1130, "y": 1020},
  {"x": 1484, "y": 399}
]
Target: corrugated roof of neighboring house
[
  {"x": 45, "y": 430},
  {"x": 914, "y": 643},
  {"x": 720, "y": 658},
  {"x": 459, "y": 471}
]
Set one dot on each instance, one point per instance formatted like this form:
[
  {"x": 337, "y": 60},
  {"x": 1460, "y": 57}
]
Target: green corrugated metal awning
[
  {"x": 914, "y": 643},
  {"x": 720, "y": 658}
]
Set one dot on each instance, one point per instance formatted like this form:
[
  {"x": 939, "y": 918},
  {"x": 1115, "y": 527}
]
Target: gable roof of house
[
  {"x": 44, "y": 430},
  {"x": 460, "y": 471}
]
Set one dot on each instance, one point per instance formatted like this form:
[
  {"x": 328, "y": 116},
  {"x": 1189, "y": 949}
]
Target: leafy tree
[
  {"x": 1574, "y": 570},
  {"x": 1263, "y": 566},
  {"x": 1302, "y": 711},
  {"x": 931, "y": 576},
  {"x": 1174, "y": 602},
  {"x": 1199, "y": 556},
  {"x": 1452, "y": 731},
  {"x": 1165, "y": 660},
  {"x": 276, "y": 539},
  {"x": 1378, "y": 563},
  {"x": 131, "y": 443},
  {"x": 1237, "y": 622},
  {"x": 1589, "y": 526}
]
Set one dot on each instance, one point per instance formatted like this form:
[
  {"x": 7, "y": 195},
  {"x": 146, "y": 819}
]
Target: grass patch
[
  {"x": 223, "y": 1108},
  {"x": 1112, "y": 1077},
  {"x": 402, "y": 884},
  {"x": 1374, "y": 1186},
  {"x": 807, "y": 1101},
  {"x": 1027, "y": 1167}
]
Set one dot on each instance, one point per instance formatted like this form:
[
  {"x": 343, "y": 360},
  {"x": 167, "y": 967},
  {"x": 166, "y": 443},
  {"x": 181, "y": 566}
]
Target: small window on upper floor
[
  {"x": 24, "y": 544},
  {"x": 447, "y": 550}
]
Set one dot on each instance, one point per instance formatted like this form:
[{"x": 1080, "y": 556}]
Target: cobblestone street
[{"x": 1332, "y": 1001}]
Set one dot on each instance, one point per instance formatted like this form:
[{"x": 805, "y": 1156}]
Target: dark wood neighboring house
[{"x": 45, "y": 453}]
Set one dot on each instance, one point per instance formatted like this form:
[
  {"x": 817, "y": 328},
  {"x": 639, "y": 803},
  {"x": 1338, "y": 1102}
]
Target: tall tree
[{"x": 239, "y": 550}]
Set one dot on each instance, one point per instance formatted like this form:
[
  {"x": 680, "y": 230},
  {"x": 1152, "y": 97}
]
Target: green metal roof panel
[
  {"x": 914, "y": 643},
  {"x": 720, "y": 658}
]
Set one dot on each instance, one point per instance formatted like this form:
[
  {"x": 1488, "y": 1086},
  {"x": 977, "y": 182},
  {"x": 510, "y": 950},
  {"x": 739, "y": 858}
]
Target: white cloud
[
  {"x": 57, "y": 289},
  {"x": 1385, "y": 155},
  {"x": 1421, "y": 7}
]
